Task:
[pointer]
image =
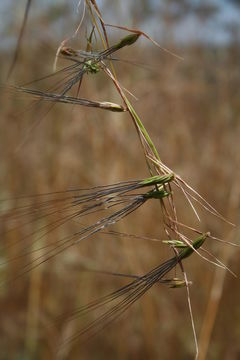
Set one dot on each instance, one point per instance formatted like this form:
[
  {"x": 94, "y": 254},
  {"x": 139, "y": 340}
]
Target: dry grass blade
[
  {"x": 139, "y": 33},
  {"x": 20, "y": 37},
  {"x": 37, "y": 94},
  {"x": 189, "y": 192}
]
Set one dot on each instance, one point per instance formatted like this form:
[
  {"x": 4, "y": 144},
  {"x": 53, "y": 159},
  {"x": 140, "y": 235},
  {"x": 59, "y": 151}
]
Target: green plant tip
[
  {"x": 111, "y": 106},
  {"x": 126, "y": 41},
  {"x": 195, "y": 245}
]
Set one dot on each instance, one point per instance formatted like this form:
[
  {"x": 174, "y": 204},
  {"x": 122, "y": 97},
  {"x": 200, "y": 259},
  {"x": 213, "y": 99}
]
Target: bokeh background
[{"x": 191, "y": 109}]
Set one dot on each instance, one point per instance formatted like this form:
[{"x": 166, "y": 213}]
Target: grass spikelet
[{"x": 120, "y": 300}]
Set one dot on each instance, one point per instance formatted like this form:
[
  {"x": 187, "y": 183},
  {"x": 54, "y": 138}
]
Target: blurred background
[{"x": 191, "y": 109}]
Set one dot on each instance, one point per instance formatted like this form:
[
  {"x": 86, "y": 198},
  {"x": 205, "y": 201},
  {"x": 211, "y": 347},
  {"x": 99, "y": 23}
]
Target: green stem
[{"x": 142, "y": 128}]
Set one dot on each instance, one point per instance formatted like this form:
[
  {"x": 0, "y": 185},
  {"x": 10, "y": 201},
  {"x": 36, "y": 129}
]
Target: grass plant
[{"x": 51, "y": 223}]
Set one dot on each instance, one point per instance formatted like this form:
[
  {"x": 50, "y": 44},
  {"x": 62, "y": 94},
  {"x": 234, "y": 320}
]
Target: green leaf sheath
[
  {"x": 157, "y": 180},
  {"x": 156, "y": 194}
]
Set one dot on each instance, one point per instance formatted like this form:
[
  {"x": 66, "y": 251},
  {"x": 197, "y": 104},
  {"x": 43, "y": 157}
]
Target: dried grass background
[{"x": 191, "y": 109}]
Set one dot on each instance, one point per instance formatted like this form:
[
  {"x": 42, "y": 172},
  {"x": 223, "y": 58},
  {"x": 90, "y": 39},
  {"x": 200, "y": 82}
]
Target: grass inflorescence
[{"x": 50, "y": 223}]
